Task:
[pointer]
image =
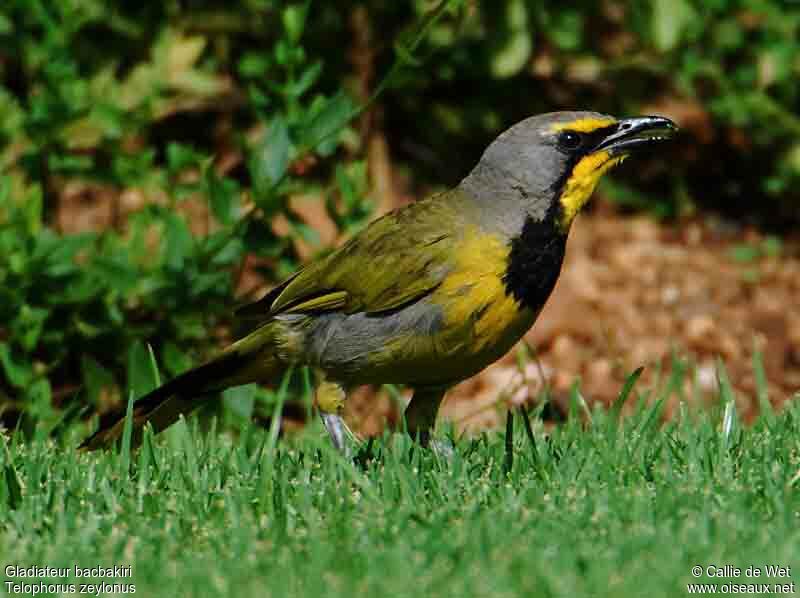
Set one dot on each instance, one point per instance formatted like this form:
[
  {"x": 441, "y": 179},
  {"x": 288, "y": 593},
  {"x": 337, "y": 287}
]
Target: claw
[
  {"x": 443, "y": 449},
  {"x": 341, "y": 436}
]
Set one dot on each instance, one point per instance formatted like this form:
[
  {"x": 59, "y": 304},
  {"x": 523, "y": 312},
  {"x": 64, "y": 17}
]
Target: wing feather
[{"x": 394, "y": 262}]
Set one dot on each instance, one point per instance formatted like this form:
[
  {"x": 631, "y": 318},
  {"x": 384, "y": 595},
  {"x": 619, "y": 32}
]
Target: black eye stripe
[
  {"x": 590, "y": 141},
  {"x": 598, "y": 135},
  {"x": 587, "y": 141},
  {"x": 594, "y": 138}
]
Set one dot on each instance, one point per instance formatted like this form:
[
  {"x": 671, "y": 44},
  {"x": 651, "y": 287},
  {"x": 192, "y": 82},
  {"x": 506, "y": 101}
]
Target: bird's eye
[{"x": 569, "y": 140}]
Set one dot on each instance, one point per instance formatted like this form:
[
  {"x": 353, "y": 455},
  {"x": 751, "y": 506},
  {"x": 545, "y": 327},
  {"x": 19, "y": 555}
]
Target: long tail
[{"x": 251, "y": 359}]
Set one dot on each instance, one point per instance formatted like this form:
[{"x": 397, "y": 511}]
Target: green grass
[{"x": 592, "y": 508}]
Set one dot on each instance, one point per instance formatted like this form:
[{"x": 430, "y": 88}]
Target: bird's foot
[
  {"x": 330, "y": 398},
  {"x": 443, "y": 448},
  {"x": 341, "y": 436}
]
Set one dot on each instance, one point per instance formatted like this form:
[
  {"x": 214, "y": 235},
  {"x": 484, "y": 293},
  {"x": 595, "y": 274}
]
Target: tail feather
[{"x": 246, "y": 361}]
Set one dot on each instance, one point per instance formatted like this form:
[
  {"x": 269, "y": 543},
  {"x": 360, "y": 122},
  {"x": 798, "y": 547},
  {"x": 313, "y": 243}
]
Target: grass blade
[
  {"x": 619, "y": 402},
  {"x": 127, "y": 433},
  {"x": 537, "y": 464},
  {"x": 153, "y": 365},
  {"x": 13, "y": 489},
  {"x": 762, "y": 391},
  {"x": 650, "y": 417},
  {"x": 275, "y": 424},
  {"x": 509, "y": 442},
  {"x": 728, "y": 399},
  {"x": 526, "y": 421}
]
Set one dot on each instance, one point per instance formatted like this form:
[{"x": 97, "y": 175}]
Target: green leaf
[
  {"x": 5, "y": 180},
  {"x": 566, "y": 30},
  {"x": 18, "y": 373},
  {"x": 514, "y": 42},
  {"x": 772, "y": 246},
  {"x": 178, "y": 240},
  {"x": 330, "y": 119},
  {"x": 80, "y": 290},
  {"x": 744, "y": 253},
  {"x": 28, "y": 326},
  {"x": 308, "y": 233},
  {"x": 306, "y": 80},
  {"x": 180, "y": 157},
  {"x": 117, "y": 273},
  {"x": 669, "y": 21},
  {"x": 271, "y": 158},
  {"x": 39, "y": 399},
  {"x": 87, "y": 329},
  {"x": 402, "y": 48},
  {"x": 33, "y": 210},
  {"x": 175, "y": 361},
  {"x": 294, "y": 20},
  {"x": 254, "y": 64},
  {"x": 70, "y": 164},
  {"x": 95, "y": 377},
  {"x": 61, "y": 252},
  {"x": 222, "y": 196},
  {"x": 228, "y": 253},
  {"x": 6, "y": 25}
]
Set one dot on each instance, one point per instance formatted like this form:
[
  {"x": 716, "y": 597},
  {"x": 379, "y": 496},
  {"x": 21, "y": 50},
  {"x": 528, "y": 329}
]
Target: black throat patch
[{"x": 534, "y": 262}]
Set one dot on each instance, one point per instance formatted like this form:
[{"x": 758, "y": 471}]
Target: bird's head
[{"x": 550, "y": 164}]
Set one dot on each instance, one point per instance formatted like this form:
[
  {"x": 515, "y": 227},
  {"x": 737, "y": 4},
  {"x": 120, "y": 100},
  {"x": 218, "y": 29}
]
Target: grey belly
[
  {"x": 353, "y": 348},
  {"x": 408, "y": 346}
]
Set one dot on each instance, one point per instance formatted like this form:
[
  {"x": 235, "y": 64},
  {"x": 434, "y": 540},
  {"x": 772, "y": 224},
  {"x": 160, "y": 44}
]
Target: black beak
[{"x": 634, "y": 133}]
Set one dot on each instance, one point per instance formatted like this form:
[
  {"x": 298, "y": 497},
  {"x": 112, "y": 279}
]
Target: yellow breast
[{"x": 474, "y": 297}]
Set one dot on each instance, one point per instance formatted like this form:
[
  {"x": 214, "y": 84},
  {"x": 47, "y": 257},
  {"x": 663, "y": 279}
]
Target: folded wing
[{"x": 395, "y": 261}]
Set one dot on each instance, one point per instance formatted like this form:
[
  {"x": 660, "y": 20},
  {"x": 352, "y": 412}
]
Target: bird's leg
[
  {"x": 421, "y": 413},
  {"x": 330, "y": 398}
]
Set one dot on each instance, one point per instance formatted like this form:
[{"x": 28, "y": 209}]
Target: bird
[{"x": 427, "y": 295}]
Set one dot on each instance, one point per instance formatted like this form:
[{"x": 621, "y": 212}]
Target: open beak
[{"x": 630, "y": 134}]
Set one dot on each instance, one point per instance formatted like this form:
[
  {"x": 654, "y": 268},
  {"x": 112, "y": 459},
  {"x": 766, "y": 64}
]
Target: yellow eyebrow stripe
[{"x": 584, "y": 125}]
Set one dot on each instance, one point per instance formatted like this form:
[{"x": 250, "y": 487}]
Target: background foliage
[{"x": 192, "y": 127}]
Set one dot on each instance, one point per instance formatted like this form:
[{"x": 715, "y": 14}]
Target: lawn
[{"x": 593, "y": 507}]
